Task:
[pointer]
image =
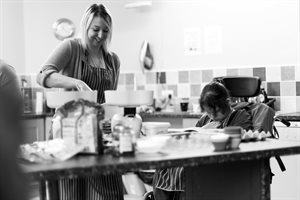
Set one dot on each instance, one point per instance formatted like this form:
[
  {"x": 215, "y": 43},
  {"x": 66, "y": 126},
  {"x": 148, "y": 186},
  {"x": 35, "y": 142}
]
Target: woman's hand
[{"x": 82, "y": 86}]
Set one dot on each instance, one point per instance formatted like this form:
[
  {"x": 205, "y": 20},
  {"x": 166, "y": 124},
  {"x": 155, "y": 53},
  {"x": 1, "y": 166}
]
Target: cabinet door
[
  {"x": 285, "y": 185},
  {"x": 33, "y": 130}
]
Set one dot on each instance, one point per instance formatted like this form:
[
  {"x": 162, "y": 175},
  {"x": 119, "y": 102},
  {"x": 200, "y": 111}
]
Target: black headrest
[{"x": 241, "y": 86}]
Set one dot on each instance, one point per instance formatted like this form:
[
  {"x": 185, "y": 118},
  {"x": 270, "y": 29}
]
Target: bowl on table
[
  {"x": 235, "y": 136},
  {"x": 220, "y": 141},
  {"x": 55, "y": 99}
]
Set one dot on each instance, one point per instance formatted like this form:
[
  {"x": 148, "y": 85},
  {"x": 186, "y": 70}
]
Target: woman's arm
[{"x": 60, "y": 59}]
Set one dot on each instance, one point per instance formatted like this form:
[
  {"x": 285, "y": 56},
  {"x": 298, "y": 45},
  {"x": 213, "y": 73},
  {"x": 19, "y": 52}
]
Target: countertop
[
  {"x": 295, "y": 116},
  {"x": 103, "y": 164},
  {"x": 36, "y": 115}
]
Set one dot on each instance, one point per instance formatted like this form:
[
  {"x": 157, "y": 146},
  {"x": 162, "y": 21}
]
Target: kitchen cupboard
[
  {"x": 285, "y": 185},
  {"x": 33, "y": 130}
]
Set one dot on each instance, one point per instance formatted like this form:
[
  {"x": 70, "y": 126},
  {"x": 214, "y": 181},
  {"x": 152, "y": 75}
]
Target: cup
[{"x": 184, "y": 106}]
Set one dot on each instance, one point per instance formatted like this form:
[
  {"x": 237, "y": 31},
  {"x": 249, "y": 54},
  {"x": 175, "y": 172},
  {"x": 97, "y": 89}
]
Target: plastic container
[
  {"x": 155, "y": 128},
  {"x": 220, "y": 141},
  {"x": 235, "y": 136}
]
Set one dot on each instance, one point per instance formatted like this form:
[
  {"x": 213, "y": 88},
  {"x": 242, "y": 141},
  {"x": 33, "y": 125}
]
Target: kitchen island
[{"x": 239, "y": 174}]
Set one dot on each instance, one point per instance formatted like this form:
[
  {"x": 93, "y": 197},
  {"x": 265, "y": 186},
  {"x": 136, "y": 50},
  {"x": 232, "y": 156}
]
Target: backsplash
[{"x": 280, "y": 82}]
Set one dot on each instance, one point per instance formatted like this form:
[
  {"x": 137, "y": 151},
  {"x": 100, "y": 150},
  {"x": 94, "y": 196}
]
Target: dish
[
  {"x": 133, "y": 98},
  {"x": 55, "y": 99},
  {"x": 63, "y": 28}
]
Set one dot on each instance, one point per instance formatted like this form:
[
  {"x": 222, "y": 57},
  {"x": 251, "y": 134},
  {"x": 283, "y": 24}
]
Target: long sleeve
[{"x": 57, "y": 61}]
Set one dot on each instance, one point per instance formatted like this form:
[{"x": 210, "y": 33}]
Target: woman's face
[
  {"x": 215, "y": 115},
  {"x": 98, "y": 32}
]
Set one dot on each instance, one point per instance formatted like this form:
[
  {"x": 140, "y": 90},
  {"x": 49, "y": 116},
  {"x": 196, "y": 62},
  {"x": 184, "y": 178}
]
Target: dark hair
[{"x": 214, "y": 95}]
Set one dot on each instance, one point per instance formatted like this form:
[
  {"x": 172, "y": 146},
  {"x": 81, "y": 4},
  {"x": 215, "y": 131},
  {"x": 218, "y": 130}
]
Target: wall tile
[
  {"x": 232, "y": 72},
  {"x": 196, "y": 76},
  {"x": 141, "y": 87},
  {"x": 140, "y": 79},
  {"x": 287, "y": 104},
  {"x": 151, "y": 78},
  {"x": 184, "y": 91},
  {"x": 195, "y": 90},
  {"x": 172, "y": 77},
  {"x": 161, "y": 77},
  {"x": 297, "y": 72},
  {"x": 273, "y": 74},
  {"x": 155, "y": 89},
  {"x": 121, "y": 79},
  {"x": 288, "y": 88},
  {"x": 129, "y": 79},
  {"x": 219, "y": 72},
  {"x": 277, "y": 103},
  {"x": 183, "y": 77},
  {"x": 122, "y": 87},
  {"x": 297, "y": 104},
  {"x": 273, "y": 89},
  {"x": 129, "y": 87},
  {"x": 207, "y": 75},
  {"x": 260, "y": 72},
  {"x": 297, "y": 88},
  {"x": 288, "y": 73},
  {"x": 174, "y": 88},
  {"x": 246, "y": 72}
]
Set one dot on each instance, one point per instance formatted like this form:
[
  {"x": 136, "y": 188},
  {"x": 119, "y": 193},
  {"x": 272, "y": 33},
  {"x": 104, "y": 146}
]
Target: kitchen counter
[
  {"x": 295, "y": 116},
  {"x": 36, "y": 115},
  {"x": 244, "y": 171}
]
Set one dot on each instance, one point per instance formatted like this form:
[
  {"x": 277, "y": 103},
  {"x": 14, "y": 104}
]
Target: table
[{"x": 237, "y": 174}]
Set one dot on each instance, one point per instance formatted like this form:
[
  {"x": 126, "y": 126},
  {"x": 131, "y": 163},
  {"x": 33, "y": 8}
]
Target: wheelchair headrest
[{"x": 241, "y": 86}]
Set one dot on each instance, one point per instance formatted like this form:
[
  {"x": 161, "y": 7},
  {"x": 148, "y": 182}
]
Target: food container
[
  {"x": 58, "y": 98},
  {"x": 235, "y": 136},
  {"x": 155, "y": 128},
  {"x": 220, "y": 141}
]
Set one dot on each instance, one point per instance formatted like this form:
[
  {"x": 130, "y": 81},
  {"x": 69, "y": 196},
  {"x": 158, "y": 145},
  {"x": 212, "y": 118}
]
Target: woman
[
  {"x": 215, "y": 102},
  {"x": 86, "y": 63}
]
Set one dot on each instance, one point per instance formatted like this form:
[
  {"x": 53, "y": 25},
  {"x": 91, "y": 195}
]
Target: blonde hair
[{"x": 95, "y": 11}]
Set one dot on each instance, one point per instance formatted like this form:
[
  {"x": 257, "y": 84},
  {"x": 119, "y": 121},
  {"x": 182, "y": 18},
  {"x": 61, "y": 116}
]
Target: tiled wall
[{"x": 280, "y": 82}]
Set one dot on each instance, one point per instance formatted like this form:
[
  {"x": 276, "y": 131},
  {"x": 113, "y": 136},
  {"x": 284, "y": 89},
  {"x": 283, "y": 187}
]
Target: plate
[{"x": 63, "y": 28}]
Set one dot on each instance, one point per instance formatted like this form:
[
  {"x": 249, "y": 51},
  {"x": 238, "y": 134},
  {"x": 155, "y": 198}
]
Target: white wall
[
  {"x": 254, "y": 32},
  {"x": 12, "y": 43}
]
